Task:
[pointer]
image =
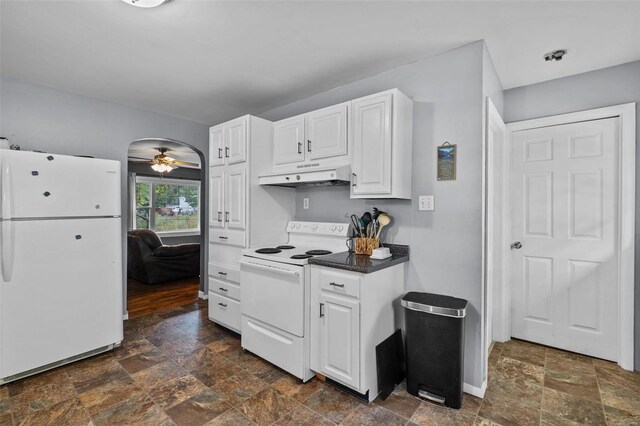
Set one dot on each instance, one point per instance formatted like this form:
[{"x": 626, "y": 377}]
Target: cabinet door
[
  {"x": 236, "y": 140},
  {"x": 327, "y": 132},
  {"x": 288, "y": 141},
  {"x": 235, "y": 197},
  {"x": 216, "y": 145},
  {"x": 372, "y": 145},
  {"x": 216, "y": 197},
  {"x": 340, "y": 338}
]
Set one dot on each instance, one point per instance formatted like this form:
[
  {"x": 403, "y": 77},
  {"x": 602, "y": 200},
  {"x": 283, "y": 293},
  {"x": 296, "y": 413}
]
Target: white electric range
[{"x": 275, "y": 293}]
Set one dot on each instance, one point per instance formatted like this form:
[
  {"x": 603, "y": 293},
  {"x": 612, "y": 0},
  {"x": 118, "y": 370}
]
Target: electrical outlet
[
  {"x": 305, "y": 203},
  {"x": 426, "y": 203}
]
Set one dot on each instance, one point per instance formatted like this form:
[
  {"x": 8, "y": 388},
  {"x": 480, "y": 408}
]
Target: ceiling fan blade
[
  {"x": 142, "y": 162},
  {"x": 139, "y": 158},
  {"x": 186, "y": 163}
]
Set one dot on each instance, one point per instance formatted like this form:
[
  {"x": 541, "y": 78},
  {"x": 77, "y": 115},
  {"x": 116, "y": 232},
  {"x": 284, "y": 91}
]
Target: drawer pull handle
[
  {"x": 224, "y": 274},
  {"x": 222, "y": 289},
  {"x": 223, "y": 238},
  {"x": 224, "y": 305},
  {"x": 336, "y": 284},
  {"x": 322, "y": 310}
]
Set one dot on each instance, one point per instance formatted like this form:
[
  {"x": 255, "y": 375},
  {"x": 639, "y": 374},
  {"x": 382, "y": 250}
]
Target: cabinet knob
[
  {"x": 308, "y": 145},
  {"x": 299, "y": 147}
]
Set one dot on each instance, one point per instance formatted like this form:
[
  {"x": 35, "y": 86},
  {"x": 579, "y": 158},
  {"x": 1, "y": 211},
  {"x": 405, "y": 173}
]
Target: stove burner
[
  {"x": 318, "y": 252},
  {"x": 285, "y": 247},
  {"x": 268, "y": 250},
  {"x": 301, "y": 256}
]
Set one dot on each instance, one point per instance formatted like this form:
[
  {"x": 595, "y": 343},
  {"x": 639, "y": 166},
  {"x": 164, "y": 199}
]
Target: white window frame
[{"x": 152, "y": 199}]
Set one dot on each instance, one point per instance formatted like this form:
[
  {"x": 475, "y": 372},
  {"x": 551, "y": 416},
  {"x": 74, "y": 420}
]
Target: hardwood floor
[{"x": 144, "y": 299}]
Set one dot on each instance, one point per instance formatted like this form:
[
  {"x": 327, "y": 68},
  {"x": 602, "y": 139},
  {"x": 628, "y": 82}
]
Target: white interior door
[
  {"x": 564, "y": 200},
  {"x": 61, "y": 290}
]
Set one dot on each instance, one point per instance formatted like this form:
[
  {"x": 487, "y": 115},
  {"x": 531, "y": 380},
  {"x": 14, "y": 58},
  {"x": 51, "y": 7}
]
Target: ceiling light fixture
[
  {"x": 146, "y": 3},
  {"x": 555, "y": 55},
  {"x": 162, "y": 168}
]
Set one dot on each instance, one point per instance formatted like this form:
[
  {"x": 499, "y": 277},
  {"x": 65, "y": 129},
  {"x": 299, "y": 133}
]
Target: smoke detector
[
  {"x": 555, "y": 55},
  {"x": 145, "y": 3}
]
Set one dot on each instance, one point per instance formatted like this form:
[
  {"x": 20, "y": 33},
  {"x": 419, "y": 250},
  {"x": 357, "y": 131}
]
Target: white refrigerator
[{"x": 60, "y": 260}]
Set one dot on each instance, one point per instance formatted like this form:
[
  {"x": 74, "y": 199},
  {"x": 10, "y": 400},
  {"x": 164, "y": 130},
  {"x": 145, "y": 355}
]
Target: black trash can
[{"x": 434, "y": 336}]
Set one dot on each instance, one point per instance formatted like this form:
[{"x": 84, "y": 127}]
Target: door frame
[{"x": 626, "y": 222}]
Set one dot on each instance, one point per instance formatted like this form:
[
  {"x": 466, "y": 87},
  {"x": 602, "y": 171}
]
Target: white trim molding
[
  {"x": 474, "y": 390},
  {"x": 626, "y": 210}
]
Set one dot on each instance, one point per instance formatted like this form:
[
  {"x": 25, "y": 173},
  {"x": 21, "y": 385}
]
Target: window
[{"x": 166, "y": 205}]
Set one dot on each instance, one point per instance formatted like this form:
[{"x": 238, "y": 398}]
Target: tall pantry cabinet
[{"x": 241, "y": 213}]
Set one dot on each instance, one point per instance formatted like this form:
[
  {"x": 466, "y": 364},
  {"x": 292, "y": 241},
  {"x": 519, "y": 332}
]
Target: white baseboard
[
  {"x": 202, "y": 295},
  {"x": 474, "y": 390},
  {"x": 125, "y": 316}
]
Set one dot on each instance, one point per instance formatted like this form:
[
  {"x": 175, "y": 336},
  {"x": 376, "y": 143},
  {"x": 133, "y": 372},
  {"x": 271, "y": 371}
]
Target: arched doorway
[{"x": 166, "y": 187}]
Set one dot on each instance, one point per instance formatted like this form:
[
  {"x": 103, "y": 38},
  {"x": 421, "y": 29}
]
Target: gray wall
[
  {"x": 606, "y": 87},
  {"x": 446, "y": 243},
  {"x": 39, "y": 118}
]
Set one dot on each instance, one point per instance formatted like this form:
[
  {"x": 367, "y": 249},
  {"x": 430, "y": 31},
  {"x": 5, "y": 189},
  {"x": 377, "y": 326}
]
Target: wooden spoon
[{"x": 383, "y": 220}]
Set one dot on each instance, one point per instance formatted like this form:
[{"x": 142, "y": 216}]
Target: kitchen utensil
[
  {"x": 366, "y": 218},
  {"x": 376, "y": 213},
  {"x": 383, "y": 220},
  {"x": 355, "y": 221}
]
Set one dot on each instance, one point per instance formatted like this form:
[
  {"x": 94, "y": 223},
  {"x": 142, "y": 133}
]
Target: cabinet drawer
[
  {"x": 224, "y": 288},
  {"x": 339, "y": 282},
  {"x": 226, "y": 237},
  {"x": 223, "y": 272},
  {"x": 224, "y": 311}
]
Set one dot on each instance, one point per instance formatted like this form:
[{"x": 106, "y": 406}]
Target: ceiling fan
[{"x": 162, "y": 163}]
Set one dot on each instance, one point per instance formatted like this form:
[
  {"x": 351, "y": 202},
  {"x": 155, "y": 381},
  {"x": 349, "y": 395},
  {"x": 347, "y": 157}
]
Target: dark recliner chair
[{"x": 151, "y": 262}]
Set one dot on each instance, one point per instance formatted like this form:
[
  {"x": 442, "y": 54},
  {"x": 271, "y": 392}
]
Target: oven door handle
[{"x": 269, "y": 268}]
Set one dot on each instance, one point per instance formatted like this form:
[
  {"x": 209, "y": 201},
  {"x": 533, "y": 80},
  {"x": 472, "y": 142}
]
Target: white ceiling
[{"x": 210, "y": 61}]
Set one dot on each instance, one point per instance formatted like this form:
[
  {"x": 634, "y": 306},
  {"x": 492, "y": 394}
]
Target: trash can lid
[{"x": 436, "y": 304}]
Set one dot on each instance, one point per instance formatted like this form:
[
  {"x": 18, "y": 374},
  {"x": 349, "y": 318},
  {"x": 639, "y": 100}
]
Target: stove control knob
[
  {"x": 298, "y": 226},
  {"x": 333, "y": 228},
  {"x": 314, "y": 227},
  {"x": 340, "y": 228}
]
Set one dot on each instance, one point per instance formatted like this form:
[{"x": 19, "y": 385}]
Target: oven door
[{"x": 273, "y": 293}]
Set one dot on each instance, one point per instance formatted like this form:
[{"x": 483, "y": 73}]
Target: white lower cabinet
[
  {"x": 351, "y": 313},
  {"x": 224, "y": 296},
  {"x": 225, "y": 311},
  {"x": 339, "y": 331}
]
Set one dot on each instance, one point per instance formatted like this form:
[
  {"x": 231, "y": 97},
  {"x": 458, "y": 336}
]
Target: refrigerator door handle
[
  {"x": 6, "y": 191},
  {"x": 7, "y": 250}
]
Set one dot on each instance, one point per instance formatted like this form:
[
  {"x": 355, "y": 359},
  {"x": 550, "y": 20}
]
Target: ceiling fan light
[
  {"x": 161, "y": 168},
  {"x": 146, "y": 3}
]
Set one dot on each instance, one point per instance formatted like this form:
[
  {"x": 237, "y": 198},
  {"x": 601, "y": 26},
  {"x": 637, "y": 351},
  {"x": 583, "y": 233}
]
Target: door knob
[{"x": 517, "y": 245}]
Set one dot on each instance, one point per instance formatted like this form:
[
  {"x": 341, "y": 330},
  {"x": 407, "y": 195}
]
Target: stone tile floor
[{"x": 177, "y": 367}]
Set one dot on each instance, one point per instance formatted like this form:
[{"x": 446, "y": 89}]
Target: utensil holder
[{"x": 366, "y": 245}]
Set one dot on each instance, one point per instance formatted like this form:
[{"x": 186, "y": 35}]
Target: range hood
[{"x": 325, "y": 177}]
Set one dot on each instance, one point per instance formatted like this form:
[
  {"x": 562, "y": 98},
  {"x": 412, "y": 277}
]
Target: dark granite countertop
[{"x": 362, "y": 263}]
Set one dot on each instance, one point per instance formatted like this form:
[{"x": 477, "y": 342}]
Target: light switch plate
[
  {"x": 305, "y": 203},
  {"x": 426, "y": 203}
]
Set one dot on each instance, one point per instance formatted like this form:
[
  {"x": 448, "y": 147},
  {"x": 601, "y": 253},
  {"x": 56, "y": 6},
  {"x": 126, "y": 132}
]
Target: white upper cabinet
[
  {"x": 236, "y": 140},
  {"x": 372, "y": 145},
  {"x": 288, "y": 141},
  {"x": 216, "y": 145},
  {"x": 326, "y": 132},
  {"x": 382, "y": 132},
  {"x": 228, "y": 142}
]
